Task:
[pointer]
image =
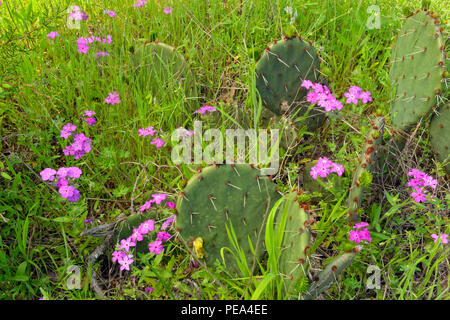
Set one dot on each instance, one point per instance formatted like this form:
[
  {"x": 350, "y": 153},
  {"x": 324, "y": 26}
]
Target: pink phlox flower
[
  {"x": 354, "y": 236},
  {"x": 112, "y": 98},
  {"x": 125, "y": 262},
  {"x": 159, "y": 197},
  {"x": 171, "y": 205},
  {"x": 53, "y": 34},
  {"x": 66, "y": 191},
  {"x": 156, "y": 247},
  {"x": 110, "y": 13},
  {"x": 203, "y": 109},
  {"x": 137, "y": 235},
  {"x": 102, "y": 53},
  {"x": 147, "y": 226},
  {"x": 306, "y": 84},
  {"x": 365, "y": 96},
  {"x": 158, "y": 142},
  {"x": 90, "y": 121},
  {"x": 443, "y": 237},
  {"x": 360, "y": 225},
  {"x": 147, "y": 205},
  {"x": 168, "y": 10},
  {"x": 163, "y": 236},
  {"x": 117, "y": 255},
  {"x": 167, "y": 223},
  {"x": 89, "y": 113},
  {"x": 140, "y": 3},
  {"x": 418, "y": 195},
  {"x": 125, "y": 244},
  {"x": 149, "y": 131},
  {"x": 48, "y": 174}
]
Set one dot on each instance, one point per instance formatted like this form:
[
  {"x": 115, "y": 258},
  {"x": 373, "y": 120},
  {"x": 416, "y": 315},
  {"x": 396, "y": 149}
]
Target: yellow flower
[{"x": 198, "y": 247}]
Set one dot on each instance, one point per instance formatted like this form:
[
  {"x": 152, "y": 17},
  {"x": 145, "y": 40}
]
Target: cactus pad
[
  {"x": 417, "y": 62},
  {"x": 126, "y": 229},
  {"x": 295, "y": 244},
  {"x": 159, "y": 66},
  {"x": 220, "y": 195},
  {"x": 279, "y": 73},
  {"x": 440, "y": 135}
]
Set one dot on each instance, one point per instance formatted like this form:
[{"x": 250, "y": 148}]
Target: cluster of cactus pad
[
  {"x": 157, "y": 65},
  {"x": 416, "y": 74}
]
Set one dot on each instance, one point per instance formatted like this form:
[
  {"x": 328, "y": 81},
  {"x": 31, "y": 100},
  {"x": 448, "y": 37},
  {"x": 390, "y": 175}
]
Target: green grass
[{"x": 46, "y": 83}]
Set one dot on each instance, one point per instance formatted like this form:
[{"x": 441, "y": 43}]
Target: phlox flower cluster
[
  {"x": 61, "y": 179},
  {"x": 67, "y": 130},
  {"x": 355, "y": 93},
  {"x": 203, "y": 109},
  {"x": 112, "y": 98},
  {"x": 83, "y": 43},
  {"x": 157, "y": 198},
  {"x": 78, "y": 14},
  {"x": 89, "y": 117},
  {"x": 321, "y": 95},
  {"x": 53, "y": 34},
  {"x": 361, "y": 233},
  {"x": 168, "y": 10},
  {"x": 80, "y": 146},
  {"x": 443, "y": 238},
  {"x": 122, "y": 253},
  {"x": 140, "y": 3},
  {"x": 418, "y": 183},
  {"x": 149, "y": 131},
  {"x": 110, "y": 13},
  {"x": 324, "y": 166}
]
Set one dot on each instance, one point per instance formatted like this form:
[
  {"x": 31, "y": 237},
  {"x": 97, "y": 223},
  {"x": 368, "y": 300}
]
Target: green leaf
[
  {"x": 6, "y": 176},
  {"x": 63, "y": 219}
]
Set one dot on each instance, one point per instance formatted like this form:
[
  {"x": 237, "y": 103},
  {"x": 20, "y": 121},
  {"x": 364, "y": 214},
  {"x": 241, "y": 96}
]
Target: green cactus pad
[
  {"x": 159, "y": 66},
  {"x": 367, "y": 160},
  {"x": 417, "y": 62},
  {"x": 220, "y": 195},
  {"x": 295, "y": 244},
  {"x": 440, "y": 135},
  {"x": 279, "y": 74},
  {"x": 325, "y": 278}
]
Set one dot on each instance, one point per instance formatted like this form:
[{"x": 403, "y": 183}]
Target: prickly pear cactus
[
  {"x": 158, "y": 65},
  {"x": 325, "y": 278},
  {"x": 440, "y": 135},
  {"x": 292, "y": 263},
  {"x": 362, "y": 174},
  {"x": 417, "y": 67},
  {"x": 220, "y": 195},
  {"x": 126, "y": 229},
  {"x": 279, "y": 73}
]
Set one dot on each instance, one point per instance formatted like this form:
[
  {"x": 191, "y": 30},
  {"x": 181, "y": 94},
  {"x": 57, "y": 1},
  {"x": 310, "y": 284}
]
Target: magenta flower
[
  {"x": 90, "y": 121},
  {"x": 149, "y": 131},
  {"x": 159, "y": 197},
  {"x": 66, "y": 191},
  {"x": 156, "y": 247},
  {"x": 360, "y": 225},
  {"x": 146, "y": 205},
  {"x": 443, "y": 238},
  {"x": 110, "y": 13},
  {"x": 75, "y": 196},
  {"x": 140, "y": 3},
  {"x": 323, "y": 167},
  {"x": 167, "y": 223},
  {"x": 125, "y": 262},
  {"x": 78, "y": 14},
  {"x": 88, "y": 221},
  {"x": 102, "y": 53},
  {"x": 365, "y": 96},
  {"x": 48, "y": 174},
  {"x": 307, "y": 84},
  {"x": 351, "y": 98},
  {"x": 158, "y": 142},
  {"x": 53, "y": 34},
  {"x": 163, "y": 236},
  {"x": 80, "y": 146},
  {"x": 171, "y": 205},
  {"x": 117, "y": 255},
  {"x": 203, "y": 109},
  {"x": 418, "y": 195},
  {"x": 125, "y": 244},
  {"x": 358, "y": 235},
  {"x": 89, "y": 113},
  {"x": 354, "y": 236},
  {"x": 112, "y": 98},
  {"x": 67, "y": 130},
  {"x": 149, "y": 289},
  {"x": 136, "y": 235},
  {"x": 147, "y": 226},
  {"x": 168, "y": 10}
]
